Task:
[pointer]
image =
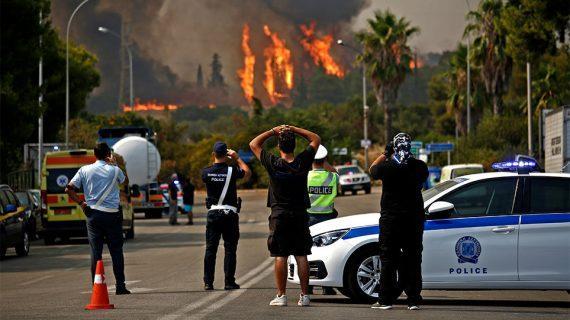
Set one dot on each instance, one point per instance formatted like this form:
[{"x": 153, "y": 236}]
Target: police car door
[
  {"x": 544, "y": 246},
  {"x": 477, "y": 240}
]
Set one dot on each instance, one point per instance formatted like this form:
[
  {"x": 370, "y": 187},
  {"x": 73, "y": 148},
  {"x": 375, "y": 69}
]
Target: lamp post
[
  {"x": 131, "y": 93},
  {"x": 67, "y": 73},
  {"x": 365, "y": 108},
  {"x": 468, "y": 78}
]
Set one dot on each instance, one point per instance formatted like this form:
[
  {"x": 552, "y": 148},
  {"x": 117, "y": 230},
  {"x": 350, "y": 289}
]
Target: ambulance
[{"x": 62, "y": 217}]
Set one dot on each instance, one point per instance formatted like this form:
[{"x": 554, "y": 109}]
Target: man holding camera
[
  {"x": 100, "y": 183},
  {"x": 401, "y": 222},
  {"x": 289, "y": 200},
  {"x": 223, "y": 207}
]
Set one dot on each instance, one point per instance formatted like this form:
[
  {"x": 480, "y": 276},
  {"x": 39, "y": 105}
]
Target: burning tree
[
  {"x": 247, "y": 73},
  {"x": 278, "y": 67},
  {"x": 319, "y": 49}
]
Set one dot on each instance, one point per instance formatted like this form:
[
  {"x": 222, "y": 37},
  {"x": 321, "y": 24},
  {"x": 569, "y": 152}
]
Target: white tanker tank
[{"x": 142, "y": 158}]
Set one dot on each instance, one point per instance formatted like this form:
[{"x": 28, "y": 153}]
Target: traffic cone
[{"x": 100, "y": 295}]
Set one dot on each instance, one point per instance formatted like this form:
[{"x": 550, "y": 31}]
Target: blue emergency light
[{"x": 515, "y": 166}]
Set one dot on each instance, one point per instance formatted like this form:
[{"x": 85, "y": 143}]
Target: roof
[
  {"x": 488, "y": 175},
  {"x": 463, "y": 165},
  {"x": 63, "y": 153}
]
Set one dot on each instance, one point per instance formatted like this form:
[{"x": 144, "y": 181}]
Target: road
[{"x": 164, "y": 270}]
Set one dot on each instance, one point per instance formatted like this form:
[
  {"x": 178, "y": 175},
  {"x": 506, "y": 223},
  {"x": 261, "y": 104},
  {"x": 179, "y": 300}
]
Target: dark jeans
[
  {"x": 225, "y": 225},
  {"x": 106, "y": 227},
  {"x": 401, "y": 253},
  {"x": 320, "y": 217}
]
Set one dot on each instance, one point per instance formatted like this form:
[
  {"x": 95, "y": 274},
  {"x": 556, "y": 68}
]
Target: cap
[
  {"x": 220, "y": 147},
  {"x": 321, "y": 153}
]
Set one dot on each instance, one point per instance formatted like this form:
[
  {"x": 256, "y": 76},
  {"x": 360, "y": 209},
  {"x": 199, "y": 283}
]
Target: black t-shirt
[
  {"x": 173, "y": 190},
  {"x": 288, "y": 180},
  {"x": 401, "y": 186},
  {"x": 215, "y": 178},
  {"x": 188, "y": 190}
]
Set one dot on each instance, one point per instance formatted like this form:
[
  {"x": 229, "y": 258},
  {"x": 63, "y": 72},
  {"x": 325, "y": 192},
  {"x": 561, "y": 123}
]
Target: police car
[{"x": 500, "y": 230}]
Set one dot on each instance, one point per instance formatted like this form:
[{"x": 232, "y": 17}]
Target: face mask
[{"x": 402, "y": 146}]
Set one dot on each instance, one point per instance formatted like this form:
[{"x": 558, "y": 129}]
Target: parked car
[
  {"x": 352, "y": 178},
  {"x": 458, "y": 170},
  {"x": 489, "y": 231},
  {"x": 28, "y": 200},
  {"x": 13, "y": 223}
]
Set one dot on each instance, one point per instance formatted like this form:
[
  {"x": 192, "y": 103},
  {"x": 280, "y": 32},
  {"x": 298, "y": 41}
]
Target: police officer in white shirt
[{"x": 100, "y": 183}]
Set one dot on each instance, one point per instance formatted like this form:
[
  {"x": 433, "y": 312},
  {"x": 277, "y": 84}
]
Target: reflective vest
[{"x": 322, "y": 187}]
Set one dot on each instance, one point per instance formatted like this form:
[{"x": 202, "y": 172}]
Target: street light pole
[
  {"x": 468, "y": 79},
  {"x": 131, "y": 91},
  {"x": 365, "y": 108},
  {"x": 67, "y": 73}
]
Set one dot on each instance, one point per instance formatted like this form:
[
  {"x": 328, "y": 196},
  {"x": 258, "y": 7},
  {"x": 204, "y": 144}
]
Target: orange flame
[
  {"x": 415, "y": 64},
  {"x": 150, "y": 106},
  {"x": 246, "y": 74},
  {"x": 277, "y": 64},
  {"x": 319, "y": 49}
]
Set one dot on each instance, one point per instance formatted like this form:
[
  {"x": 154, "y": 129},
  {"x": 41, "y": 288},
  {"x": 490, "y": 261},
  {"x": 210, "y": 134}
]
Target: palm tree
[
  {"x": 387, "y": 58},
  {"x": 456, "y": 76},
  {"x": 489, "y": 49}
]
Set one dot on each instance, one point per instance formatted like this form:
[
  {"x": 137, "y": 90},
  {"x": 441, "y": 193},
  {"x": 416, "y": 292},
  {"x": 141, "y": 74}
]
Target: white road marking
[
  {"x": 232, "y": 296},
  {"x": 256, "y": 272},
  {"x": 36, "y": 280}
]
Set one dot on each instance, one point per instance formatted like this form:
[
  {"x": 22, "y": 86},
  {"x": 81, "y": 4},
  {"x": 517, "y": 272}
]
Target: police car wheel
[
  {"x": 362, "y": 274},
  {"x": 23, "y": 248}
]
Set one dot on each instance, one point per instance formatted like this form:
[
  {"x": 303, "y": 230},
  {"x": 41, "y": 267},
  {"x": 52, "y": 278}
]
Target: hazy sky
[{"x": 441, "y": 21}]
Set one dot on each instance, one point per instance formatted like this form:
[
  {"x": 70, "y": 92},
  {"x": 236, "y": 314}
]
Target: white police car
[{"x": 500, "y": 230}]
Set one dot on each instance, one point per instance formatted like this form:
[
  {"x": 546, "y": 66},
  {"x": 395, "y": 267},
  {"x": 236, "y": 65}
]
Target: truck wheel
[
  {"x": 49, "y": 239},
  {"x": 367, "y": 190},
  {"x": 23, "y": 248},
  {"x": 131, "y": 232},
  {"x": 361, "y": 284}
]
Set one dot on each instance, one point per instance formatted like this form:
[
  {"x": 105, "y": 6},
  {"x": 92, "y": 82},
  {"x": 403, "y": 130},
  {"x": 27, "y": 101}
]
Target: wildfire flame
[
  {"x": 417, "y": 63},
  {"x": 319, "y": 49},
  {"x": 278, "y": 65},
  {"x": 247, "y": 74},
  {"x": 150, "y": 106}
]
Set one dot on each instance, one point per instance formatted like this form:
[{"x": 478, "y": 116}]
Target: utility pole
[
  {"x": 468, "y": 100},
  {"x": 528, "y": 108},
  {"x": 41, "y": 118}
]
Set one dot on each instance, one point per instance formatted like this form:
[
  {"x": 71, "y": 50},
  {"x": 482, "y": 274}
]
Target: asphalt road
[{"x": 164, "y": 270}]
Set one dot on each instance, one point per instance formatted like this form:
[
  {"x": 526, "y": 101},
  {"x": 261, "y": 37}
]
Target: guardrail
[{"x": 21, "y": 179}]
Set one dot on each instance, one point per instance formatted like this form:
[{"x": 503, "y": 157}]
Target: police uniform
[
  {"x": 322, "y": 188},
  {"x": 222, "y": 220}
]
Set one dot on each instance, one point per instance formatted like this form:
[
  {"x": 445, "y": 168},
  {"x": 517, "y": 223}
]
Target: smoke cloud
[{"x": 170, "y": 38}]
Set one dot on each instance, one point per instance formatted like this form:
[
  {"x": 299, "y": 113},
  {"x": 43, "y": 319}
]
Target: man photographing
[
  {"x": 401, "y": 222},
  {"x": 289, "y": 200},
  {"x": 100, "y": 183},
  {"x": 223, "y": 208}
]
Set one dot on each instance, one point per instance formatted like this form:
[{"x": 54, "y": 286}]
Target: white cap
[{"x": 321, "y": 153}]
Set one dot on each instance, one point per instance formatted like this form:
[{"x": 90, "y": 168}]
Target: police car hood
[{"x": 357, "y": 220}]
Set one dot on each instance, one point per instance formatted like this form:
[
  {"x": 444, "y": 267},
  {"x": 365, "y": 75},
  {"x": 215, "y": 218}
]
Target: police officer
[
  {"x": 223, "y": 208},
  {"x": 100, "y": 183},
  {"x": 322, "y": 184},
  {"x": 173, "y": 200},
  {"x": 401, "y": 222}
]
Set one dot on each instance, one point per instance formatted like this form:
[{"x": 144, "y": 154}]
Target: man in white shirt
[{"x": 100, "y": 183}]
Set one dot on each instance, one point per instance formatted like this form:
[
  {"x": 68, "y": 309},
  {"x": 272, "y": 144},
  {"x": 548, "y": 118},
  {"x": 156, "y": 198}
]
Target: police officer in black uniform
[
  {"x": 401, "y": 222},
  {"x": 223, "y": 208}
]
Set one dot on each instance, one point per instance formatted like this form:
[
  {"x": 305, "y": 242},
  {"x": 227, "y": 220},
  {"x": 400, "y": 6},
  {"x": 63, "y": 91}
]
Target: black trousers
[
  {"x": 221, "y": 225},
  {"x": 401, "y": 257},
  {"x": 106, "y": 227}
]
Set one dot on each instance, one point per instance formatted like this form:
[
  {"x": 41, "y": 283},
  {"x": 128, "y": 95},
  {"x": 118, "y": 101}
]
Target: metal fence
[{"x": 21, "y": 179}]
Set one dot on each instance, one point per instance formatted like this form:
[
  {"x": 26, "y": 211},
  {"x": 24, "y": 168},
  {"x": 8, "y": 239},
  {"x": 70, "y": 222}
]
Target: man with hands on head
[
  {"x": 100, "y": 183},
  {"x": 223, "y": 207},
  {"x": 289, "y": 200},
  {"x": 401, "y": 222}
]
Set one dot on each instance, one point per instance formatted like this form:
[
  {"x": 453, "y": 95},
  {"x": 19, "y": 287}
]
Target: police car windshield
[
  {"x": 441, "y": 187},
  {"x": 349, "y": 170},
  {"x": 23, "y": 197}
]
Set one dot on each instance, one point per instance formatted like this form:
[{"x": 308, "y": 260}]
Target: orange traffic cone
[{"x": 100, "y": 295}]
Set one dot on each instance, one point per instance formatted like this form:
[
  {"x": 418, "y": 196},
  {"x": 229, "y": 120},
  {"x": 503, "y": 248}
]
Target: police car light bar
[{"x": 518, "y": 166}]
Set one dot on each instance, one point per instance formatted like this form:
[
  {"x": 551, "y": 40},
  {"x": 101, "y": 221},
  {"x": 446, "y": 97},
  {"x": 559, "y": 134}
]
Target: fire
[
  {"x": 319, "y": 49},
  {"x": 150, "y": 106},
  {"x": 247, "y": 74},
  {"x": 278, "y": 66},
  {"x": 417, "y": 63}
]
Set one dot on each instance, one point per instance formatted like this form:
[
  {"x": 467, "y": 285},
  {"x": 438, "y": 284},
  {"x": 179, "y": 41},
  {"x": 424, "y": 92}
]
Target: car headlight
[{"x": 328, "y": 238}]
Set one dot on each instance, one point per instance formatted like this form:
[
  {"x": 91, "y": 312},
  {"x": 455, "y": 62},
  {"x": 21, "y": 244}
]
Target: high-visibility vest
[{"x": 322, "y": 187}]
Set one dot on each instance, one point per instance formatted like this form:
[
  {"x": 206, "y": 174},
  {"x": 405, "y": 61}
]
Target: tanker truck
[{"x": 136, "y": 146}]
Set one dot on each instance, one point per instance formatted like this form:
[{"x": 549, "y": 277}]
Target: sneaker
[
  {"x": 279, "y": 301},
  {"x": 121, "y": 291},
  {"x": 232, "y": 286},
  {"x": 413, "y": 307},
  {"x": 304, "y": 300},
  {"x": 208, "y": 286},
  {"x": 380, "y": 306}
]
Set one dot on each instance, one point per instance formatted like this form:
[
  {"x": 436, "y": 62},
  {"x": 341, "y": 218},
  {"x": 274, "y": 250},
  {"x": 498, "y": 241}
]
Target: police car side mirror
[
  {"x": 440, "y": 209},
  {"x": 135, "y": 191}
]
